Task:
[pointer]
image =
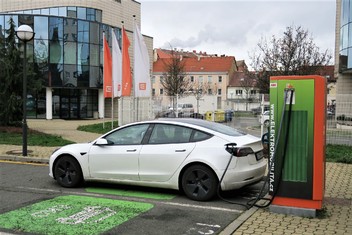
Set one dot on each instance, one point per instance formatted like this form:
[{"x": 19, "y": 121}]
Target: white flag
[
  {"x": 116, "y": 66},
  {"x": 142, "y": 87}
]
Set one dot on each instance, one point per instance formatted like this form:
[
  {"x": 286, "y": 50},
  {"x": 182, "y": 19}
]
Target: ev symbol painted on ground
[{"x": 72, "y": 215}]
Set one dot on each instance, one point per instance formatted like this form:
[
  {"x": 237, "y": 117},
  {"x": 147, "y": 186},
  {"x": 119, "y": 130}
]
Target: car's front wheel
[
  {"x": 68, "y": 172},
  {"x": 199, "y": 183}
]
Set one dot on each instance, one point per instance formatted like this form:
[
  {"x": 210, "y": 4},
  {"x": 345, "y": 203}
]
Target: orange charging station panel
[{"x": 297, "y": 137}]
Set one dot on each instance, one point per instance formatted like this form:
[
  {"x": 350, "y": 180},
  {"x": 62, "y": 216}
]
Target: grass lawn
[
  {"x": 339, "y": 153},
  {"x": 99, "y": 128},
  {"x": 13, "y": 136}
]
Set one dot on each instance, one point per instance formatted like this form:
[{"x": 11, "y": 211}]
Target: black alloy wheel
[
  {"x": 199, "y": 183},
  {"x": 67, "y": 172}
]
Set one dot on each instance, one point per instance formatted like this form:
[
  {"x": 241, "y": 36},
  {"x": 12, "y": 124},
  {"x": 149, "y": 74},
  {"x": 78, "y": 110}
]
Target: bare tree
[
  {"x": 174, "y": 79},
  {"x": 293, "y": 54},
  {"x": 200, "y": 89}
]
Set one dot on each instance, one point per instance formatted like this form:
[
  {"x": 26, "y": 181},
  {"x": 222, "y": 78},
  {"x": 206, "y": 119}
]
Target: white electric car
[{"x": 189, "y": 155}]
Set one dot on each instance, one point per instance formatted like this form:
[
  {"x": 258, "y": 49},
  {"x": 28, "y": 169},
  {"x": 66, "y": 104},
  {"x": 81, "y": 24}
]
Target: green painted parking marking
[
  {"x": 72, "y": 215},
  {"x": 130, "y": 193}
]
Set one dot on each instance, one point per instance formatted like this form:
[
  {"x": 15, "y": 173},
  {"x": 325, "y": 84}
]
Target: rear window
[{"x": 227, "y": 130}]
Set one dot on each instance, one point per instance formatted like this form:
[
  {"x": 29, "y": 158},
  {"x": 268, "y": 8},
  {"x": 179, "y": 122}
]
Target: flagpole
[
  {"x": 103, "y": 81},
  {"x": 121, "y": 100},
  {"x": 112, "y": 98},
  {"x": 134, "y": 70}
]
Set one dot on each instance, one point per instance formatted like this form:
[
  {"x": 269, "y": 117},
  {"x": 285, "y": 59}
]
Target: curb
[
  {"x": 231, "y": 228},
  {"x": 24, "y": 159}
]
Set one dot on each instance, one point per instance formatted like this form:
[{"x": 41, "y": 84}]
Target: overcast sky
[{"x": 234, "y": 27}]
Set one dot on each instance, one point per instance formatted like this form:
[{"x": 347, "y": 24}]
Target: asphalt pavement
[{"x": 335, "y": 218}]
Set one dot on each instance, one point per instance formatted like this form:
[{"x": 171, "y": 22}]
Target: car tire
[
  {"x": 67, "y": 172},
  {"x": 199, "y": 183}
]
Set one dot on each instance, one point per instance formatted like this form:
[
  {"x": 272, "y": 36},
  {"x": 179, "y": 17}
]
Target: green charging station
[{"x": 297, "y": 141}]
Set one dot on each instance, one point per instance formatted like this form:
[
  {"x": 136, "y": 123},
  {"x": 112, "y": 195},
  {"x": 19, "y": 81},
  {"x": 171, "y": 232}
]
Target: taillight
[{"x": 238, "y": 151}]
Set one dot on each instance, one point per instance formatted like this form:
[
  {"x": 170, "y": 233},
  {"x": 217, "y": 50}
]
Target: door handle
[
  {"x": 131, "y": 150},
  {"x": 180, "y": 150}
]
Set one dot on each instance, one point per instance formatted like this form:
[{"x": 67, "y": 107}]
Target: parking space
[{"x": 31, "y": 203}]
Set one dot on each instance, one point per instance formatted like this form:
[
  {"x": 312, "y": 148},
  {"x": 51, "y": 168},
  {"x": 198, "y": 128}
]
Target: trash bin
[
  {"x": 219, "y": 116},
  {"x": 208, "y": 116},
  {"x": 228, "y": 115}
]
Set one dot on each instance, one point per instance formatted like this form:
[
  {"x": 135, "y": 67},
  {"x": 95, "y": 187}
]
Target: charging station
[{"x": 297, "y": 144}]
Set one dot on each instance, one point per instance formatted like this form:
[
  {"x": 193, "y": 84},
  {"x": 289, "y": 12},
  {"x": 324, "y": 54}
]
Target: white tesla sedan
[{"x": 191, "y": 155}]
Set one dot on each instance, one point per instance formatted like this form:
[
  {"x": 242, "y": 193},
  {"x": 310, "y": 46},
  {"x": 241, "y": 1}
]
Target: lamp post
[{"x": 25, "y": 34}]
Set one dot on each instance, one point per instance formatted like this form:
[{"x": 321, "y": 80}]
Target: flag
[
  {"x": 107, "y": 74},
  {"x": 142, "y": 87},
  {"x": 126, "y": 66},
  {"x": 116, "y": 66}
]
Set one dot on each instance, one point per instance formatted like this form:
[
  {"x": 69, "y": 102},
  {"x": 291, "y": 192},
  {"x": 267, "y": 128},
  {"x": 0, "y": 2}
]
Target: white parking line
[{"x": 159, "y": 202}]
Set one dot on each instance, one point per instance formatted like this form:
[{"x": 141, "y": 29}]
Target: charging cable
[
  {"x": 259, "y": 197},
  {"x": 253, "y": 202}
]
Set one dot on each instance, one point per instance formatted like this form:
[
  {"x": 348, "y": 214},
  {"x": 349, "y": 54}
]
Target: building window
[
  {"x": 153, "y": 80},
  {"x": 161, "y": 91},
  {"x": 219, "y": 91},
  {"x": 210, "y": 79},
  {"x": 210, "y": 91},
  {"x": 238, "y": 92},
  {"x": 72, "y": 12},
  {"x": 153, "y": 92},
  {"x": 220, "y": 78},
  {"x": 192, "y": 78},
  {"x": 200, "y": 79},
  {"x": 253, "y": 92}
]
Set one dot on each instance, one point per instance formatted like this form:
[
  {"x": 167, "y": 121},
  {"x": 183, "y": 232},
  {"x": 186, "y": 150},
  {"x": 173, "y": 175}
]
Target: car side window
[
  {"x": 128, "y": 136},
  {"x": 167, "y": 134},
  {"x": 200, "y": 136}
]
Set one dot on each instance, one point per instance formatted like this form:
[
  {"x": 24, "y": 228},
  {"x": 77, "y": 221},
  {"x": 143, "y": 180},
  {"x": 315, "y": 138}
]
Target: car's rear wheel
[
  {"x": 68, "y": 172},
  {"x": 199, "y": 183}
]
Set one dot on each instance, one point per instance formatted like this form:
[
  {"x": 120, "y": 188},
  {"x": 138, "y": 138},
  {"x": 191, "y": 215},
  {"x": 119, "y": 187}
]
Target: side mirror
[{"x": 102, "y": 141}]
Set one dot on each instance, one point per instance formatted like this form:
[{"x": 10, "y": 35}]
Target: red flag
[
  {"x": 107, "y": 70},
  {"x": 126, "y": 66}
]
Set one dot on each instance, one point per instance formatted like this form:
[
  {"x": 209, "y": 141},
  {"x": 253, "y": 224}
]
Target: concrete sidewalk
[{"x": 337, "y": 217}]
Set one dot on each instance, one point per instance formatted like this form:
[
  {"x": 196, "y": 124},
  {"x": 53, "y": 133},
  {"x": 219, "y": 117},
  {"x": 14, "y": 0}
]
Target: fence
[{"x": 338, "y": 126}]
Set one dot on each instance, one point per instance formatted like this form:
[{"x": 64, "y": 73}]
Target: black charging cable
[
  {"x": 270, "y": 200},
  {"x": 230, "y": 148},
  {"x": 260, "y": 195}
]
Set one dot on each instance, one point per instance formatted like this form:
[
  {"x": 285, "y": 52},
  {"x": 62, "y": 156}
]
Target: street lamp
[{"x": 25, "y": 34}]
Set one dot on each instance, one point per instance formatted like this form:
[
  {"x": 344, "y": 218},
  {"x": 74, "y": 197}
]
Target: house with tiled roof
[
  {"x": 242, "y": 92},
  {"x": 214, "y": 71}
]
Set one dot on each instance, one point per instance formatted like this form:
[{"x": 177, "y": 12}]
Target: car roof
[{"x": 213, "y": 126}]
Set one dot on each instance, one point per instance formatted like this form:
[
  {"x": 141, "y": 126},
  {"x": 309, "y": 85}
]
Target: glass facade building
[
  {"x": 68, "y": 51},
  {"x": 343, "y": 62},
  {"x": 345, "y": 55}
]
